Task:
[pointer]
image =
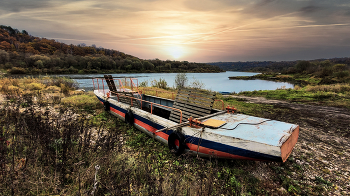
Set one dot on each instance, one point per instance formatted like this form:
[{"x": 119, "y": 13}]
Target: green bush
[
  {"x": 326, "y": 71},
  {"x": 339, "y": 67},
  {"x": 302, "y": 66},
  {"x": 160, "y": 84},
  {"x": 8, "y": 65},
  {"x": 143, "y": 84},
  {"x": 17, "y": 70},
  {"x": 58, "y": 81},
  {"x": 180, "y": 80},
  {"x": 341, "y": 74}
]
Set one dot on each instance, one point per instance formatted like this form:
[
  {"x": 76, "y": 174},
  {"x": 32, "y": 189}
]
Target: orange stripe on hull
[
  {"x": 117, "y": 112},
  {"x": 151, "y": 129},
  {"x": 217, "y": 153},
  {"x": 288, "y": 145},
  {"x": 193, "y": 147}
]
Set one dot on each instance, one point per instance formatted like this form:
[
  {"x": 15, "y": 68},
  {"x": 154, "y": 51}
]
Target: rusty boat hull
[{"x": 241, "y": 137}]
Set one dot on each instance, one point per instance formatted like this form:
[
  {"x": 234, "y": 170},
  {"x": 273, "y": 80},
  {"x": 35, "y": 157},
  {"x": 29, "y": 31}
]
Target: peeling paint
[{"x": 242, "y": 137}]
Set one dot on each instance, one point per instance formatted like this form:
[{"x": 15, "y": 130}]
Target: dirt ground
[
  {"x": 323, "y": 147},
  {"x": 321, "y": 158}
]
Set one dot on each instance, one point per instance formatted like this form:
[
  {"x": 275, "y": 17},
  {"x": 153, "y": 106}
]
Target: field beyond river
[{"x": 56, "y": 139}]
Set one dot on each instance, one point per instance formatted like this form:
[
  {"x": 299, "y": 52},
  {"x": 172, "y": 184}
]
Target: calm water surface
[{"x": 212, "y": 81}]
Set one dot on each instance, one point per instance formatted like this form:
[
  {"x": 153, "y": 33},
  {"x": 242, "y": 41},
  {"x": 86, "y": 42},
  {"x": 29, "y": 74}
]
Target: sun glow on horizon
[{"x": 176, "y": 51}]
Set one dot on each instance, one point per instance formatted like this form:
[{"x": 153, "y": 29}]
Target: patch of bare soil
[
  {"x": 323, "y": 149},
  {"x": 327, "y": 119}
]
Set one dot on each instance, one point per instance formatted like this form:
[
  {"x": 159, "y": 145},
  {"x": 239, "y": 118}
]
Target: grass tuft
[
  {"x": 336, "y": 88},
  {"x": 35, "y": 86},
  {"x": 82, "y": 101}
]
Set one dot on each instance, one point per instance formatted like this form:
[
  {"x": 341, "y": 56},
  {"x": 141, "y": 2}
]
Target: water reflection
[{"x": 211, "y": 81}]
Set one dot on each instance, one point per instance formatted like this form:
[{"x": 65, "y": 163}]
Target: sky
[{"x": 192, "y": 30}]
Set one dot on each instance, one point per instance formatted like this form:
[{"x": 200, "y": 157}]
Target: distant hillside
[
  {"x": 271, "y": 66},
  {"x": 241, "y": 66},
  {"x": 21, "y": 53}
]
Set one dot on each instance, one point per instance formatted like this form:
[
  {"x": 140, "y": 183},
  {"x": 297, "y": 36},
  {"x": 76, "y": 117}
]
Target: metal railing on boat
[
  {"x": 134, "y": 98},
  {"x": 173, "y": 97},
  {"x": 150, "y": 90},
  {"x": 122, "y": 87}
]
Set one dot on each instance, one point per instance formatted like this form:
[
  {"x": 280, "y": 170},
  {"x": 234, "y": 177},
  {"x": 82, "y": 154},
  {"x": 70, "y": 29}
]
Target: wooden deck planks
[
  {"x": 192, "y": 103},
  {"x": 125, "y": 97}
]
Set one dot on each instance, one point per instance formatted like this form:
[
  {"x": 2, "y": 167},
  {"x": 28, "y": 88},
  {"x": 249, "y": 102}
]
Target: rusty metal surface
[{"x": 266, "y": 131}]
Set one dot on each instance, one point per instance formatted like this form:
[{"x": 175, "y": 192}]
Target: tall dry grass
[
  {"x": 336, "y": 88},
  {"x": 48, "y": 153},
  {"x": 154, "y": 91},
  {"x": 28, "y": 85}
]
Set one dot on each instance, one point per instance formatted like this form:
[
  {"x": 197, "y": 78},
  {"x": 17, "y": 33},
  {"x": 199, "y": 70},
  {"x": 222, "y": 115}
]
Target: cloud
[
  {"x": 265, "y": 2},
  {"x": 214, "y": 5},
  {"x": 249, "y": 29},
  {"x": 20, "y": 5},
  {"x": 309, "y": 9},
  {"x": 17, "y": 5}
]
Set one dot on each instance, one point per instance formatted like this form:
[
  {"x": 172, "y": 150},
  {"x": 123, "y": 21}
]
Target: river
[{"x": 212, "y": 81}]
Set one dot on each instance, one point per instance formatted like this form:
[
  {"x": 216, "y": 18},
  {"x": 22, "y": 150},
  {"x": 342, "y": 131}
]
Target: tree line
[
  {"x": 21, "y": 53},
  {"x": 281, "y": 66}
]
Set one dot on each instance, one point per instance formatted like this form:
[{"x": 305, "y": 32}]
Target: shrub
[
  {"x": 196, "y": 84},
  {"x": 284, "y": 77},
  {"x": 57, "y": 81},
  {"x": 341, "y": 74},
  {"x": 143, "y": 84},
  {"x": 65, "y": 89},
  {"x": 17, "y": 70},
  {"x": 297, "y": 87},
  {"x": 339, "y": 67},
  {"x": 302, "y": 66},
  {"x": 160, "y": 84},
  {"x": 52, "y": 89},
  {"x": 11, "y": 89},
  {"x": 8, "y": 65},
  {"x": 326, "y": 71},
  {"x": 35, "y": 86},
  {"x": 180, "y": 80}
]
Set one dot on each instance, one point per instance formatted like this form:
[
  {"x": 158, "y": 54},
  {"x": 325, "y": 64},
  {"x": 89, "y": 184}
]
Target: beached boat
[{"x": 188, "y": 123}]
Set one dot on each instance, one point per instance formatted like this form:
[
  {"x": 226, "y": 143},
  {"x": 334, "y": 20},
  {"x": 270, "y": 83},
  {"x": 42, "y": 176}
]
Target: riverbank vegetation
[
  {"x": 271, "y": 66},
  {"x": 337, "y": 95},
  {"x": 320, "y": 82},
  {"x": 21, "y": 53},
  {"x": 69, "y": 145},
  {"x": 53, "y": 142},
  {"x": 308, "y": 73}
]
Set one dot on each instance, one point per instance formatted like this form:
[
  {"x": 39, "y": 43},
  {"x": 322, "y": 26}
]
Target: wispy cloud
[
  {"x": 238, "y": 27},
  {"x": 216, "y": 29}
]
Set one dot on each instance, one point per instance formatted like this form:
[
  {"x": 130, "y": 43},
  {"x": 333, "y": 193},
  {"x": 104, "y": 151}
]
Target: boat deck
[
  {"x": 241, "y": 137},
  {"x": 251, "y": 128}
]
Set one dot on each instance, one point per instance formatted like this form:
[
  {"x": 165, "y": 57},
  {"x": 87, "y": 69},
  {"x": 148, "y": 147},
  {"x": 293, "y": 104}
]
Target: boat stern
[{"x": 288, "y": 145}]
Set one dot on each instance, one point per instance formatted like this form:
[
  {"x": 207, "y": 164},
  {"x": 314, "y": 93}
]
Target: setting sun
[{"x": 176, "y": 51}]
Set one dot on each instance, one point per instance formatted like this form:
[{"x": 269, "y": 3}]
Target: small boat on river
[{"x": 188, "y": 123}]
